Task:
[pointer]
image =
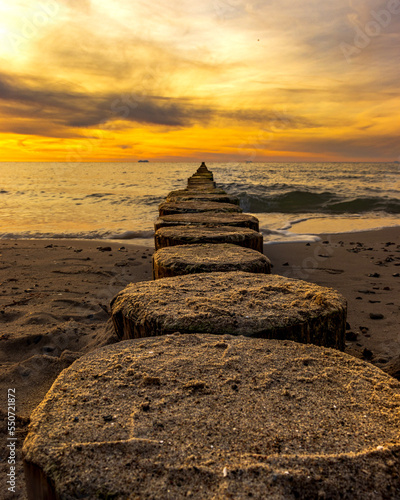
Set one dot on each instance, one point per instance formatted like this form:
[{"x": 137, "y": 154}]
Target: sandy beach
[{"x": 55, "y": 294}]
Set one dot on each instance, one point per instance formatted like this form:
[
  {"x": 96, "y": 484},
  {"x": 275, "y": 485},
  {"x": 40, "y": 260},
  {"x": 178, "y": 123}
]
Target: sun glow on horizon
[{"x": 235, "y": 80}]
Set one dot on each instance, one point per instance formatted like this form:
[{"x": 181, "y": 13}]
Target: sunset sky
[{"x": 217, "y": 80}]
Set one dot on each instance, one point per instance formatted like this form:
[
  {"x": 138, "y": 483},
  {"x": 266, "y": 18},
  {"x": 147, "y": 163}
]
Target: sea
[{"x": 119, "y": 201}]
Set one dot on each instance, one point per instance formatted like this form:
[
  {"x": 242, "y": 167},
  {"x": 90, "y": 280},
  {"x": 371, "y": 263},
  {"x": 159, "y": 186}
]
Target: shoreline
[
  {"x": 288, "y": 232},
  {"x": 55, "y": 294}
]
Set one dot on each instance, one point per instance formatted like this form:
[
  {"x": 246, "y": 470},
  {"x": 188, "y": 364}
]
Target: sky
[{"x": 216, "y": 80}]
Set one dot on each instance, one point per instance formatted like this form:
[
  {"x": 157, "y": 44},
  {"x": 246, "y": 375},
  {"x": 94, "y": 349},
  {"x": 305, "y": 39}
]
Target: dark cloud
[
  {"x": 79, "y": 109},
  {"x": 269, "y": 118},
  {"x": 42, "y": 108}
]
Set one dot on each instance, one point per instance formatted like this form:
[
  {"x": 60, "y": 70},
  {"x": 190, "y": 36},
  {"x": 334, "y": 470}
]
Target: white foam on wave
[
  {"x": 285, "y": 236},
  {"x": 307, "y": 227}
]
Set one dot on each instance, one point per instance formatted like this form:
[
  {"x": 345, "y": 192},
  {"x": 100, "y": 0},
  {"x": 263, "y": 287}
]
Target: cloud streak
[{"x": 25, "y": 98}]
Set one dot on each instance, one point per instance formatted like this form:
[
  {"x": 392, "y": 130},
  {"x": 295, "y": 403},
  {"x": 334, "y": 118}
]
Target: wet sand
[{"x": 55, "y": 294}]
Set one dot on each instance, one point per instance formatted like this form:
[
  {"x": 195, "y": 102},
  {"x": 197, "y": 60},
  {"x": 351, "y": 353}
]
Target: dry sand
[{"x": 54, "y": 297}]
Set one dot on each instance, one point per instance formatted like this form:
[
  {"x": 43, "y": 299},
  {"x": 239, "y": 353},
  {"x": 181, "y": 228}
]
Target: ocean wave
[
  {"x": 150, "y": 200},
  {"x": 98, "y": 195},
  {"x": 236, "y": 188},
  {"x": 325, "y": 202},
  {"x": 131, "y": 235}
]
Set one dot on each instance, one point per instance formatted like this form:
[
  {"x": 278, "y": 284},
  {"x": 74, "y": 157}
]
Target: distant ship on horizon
[{"x": 143, "y": 161}]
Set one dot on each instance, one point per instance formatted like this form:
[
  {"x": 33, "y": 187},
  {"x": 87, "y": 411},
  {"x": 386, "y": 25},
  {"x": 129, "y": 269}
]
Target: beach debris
[
  {"x": 374, "y": 275},
  {"x": 105, "y": 309},
  {"x": 104, "y": 249},
  {"x": 367, "y": 354},
  {"x": 351, "y": 336},
  {"x": 376, "y": 315}
]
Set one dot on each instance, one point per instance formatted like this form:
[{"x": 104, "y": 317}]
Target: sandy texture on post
[
  {"x": 192, "y": 259},
  {"x": 189, "y": 235},
  {"x": 238, "y": 303},
  {"x": 208, "y": 219},
  {"x": 167, "y": 208},
  {"x": 219, "y": 417}
]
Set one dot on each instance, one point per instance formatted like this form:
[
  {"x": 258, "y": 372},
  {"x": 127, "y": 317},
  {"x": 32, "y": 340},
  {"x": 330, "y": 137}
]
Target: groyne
[{"x": 227, "y": 382}]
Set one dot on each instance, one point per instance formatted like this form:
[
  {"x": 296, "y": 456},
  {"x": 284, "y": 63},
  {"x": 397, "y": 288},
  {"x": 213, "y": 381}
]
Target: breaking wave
[{"x": 326, "y": 202}]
